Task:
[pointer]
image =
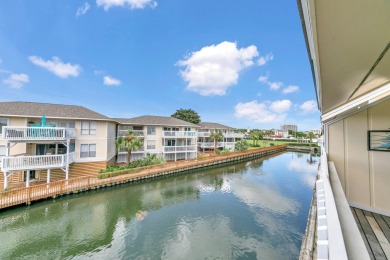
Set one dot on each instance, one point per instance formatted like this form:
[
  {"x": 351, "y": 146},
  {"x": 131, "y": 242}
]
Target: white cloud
[
  {"x": 83, "y": 9},
  {"x": 215, "y": 68},
  {"x": 281, "y": 106},
  {"x": 308, "y": 107},
  {"x": 110, "y": 81},
  {"x": 263, "y": 79},
  {"x": 56, "y": 66},
  {"x": 290, "y": 89},
  {"x": 16, "y": 80},
  {"x": 133, "y": 4},
  {"x": 264, "y": 59},
  {"x": 272, "y": 85},
  {"x": 275, "y": 85},
  {"x": 266, "y": 112}
]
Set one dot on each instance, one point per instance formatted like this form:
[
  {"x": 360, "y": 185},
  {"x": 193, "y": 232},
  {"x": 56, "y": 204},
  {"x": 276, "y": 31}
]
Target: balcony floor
[{"x": 375, "y": 230}]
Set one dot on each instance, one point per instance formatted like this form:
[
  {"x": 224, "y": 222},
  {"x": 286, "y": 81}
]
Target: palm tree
[
  {"x": 129, "y": 143},
  {"x": 216, "y": 135},
  {"x": 256, "y": 135},
  {"x": 311, "y": 136}
]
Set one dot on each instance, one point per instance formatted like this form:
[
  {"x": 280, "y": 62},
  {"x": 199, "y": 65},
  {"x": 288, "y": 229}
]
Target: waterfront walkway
[
  {"x": 375, "y": 230},
  {"x": 43, "y": 191}
]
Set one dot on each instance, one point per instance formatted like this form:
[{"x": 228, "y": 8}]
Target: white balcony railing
[
  {"x": 180, "y": 134},
  {"x": 124, "y": 151},
  {"x": 204, "y": 134},
  {"x": 172, "y": 149},
  {"x": 233, "y": 135},
  {"x": 226, "y": 135},
  {"x": 210, "y": 144},
  {"x": 137, "y": 133},
  {"x": 24, "y": 133},
  {"x": 20, "y": 163}
]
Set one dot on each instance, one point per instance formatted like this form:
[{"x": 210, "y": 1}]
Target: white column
[
  {"x": 48, "y": 176},
  {"x": 67, "y": 159},
  {"x": 28, "y": 179},
  {"x": 7, "y": 149},
  {"x": 5, "y": 180}
]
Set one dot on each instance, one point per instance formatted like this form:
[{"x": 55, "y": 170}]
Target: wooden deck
[{"x": 375, "y": 230}]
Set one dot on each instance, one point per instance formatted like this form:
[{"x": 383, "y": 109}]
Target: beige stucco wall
[{"x": 365, "y": 175}]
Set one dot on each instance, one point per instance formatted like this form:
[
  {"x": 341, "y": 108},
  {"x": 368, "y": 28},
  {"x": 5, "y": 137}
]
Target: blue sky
[{"x": 240, "y": 63}]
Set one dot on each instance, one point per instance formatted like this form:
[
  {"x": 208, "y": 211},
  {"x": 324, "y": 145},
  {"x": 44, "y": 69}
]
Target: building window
[
  {"x": 151, "y": 130},
  {"x": 2, "y": 150},
  {"x": 3, "y": 122},
  {"x": 151, "y": 145},
  {"x": 87, "y": 150},
  {"x": 187, "y": 129},
  {"x": 88, "y": 128},
  {"x": 170, "y": 142}
]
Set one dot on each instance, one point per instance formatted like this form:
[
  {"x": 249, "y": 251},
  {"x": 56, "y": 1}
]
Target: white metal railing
[
  {"x": 179, "y": 148},
  {"x": 21, "y": 133},
  {"x": 330, "y": 241},
  {"x": 210, "y": 144},
  {"x": 180, "y": 134},
  {"x": 136, "y": 133},
  {"x": 226, "y": 135},
  {"x": 233, "y": 135},
  {"x": 16, "y": 163},
  {"x": 123, "y": 150},
  {"x": 204, "y": 134}
]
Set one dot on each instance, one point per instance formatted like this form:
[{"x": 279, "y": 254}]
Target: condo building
[
  {"x": 50, "y": 142},
  {"x": 228, "y": 141},
  {"x": 169, "y": 137}
]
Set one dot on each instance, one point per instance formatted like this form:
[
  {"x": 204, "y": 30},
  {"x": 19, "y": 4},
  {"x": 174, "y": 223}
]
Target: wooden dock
[
  {"x": 43, "y": 191},
  {"x": 375, "y": 230}
]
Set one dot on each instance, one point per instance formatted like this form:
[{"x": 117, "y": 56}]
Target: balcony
[
  {"x": 204, "y": 134},
  {"x": 136, "y": 133},
  {"x": 226, "y": 135},
  {"x": 233, "y": 135},
  {"x": 210, "y": 144},
  {"x": 174, "y": 149},
  {"x": 25, "y": 133},
  {"x": 179, "y": 134},
  {"x": 37, "y": 162}
]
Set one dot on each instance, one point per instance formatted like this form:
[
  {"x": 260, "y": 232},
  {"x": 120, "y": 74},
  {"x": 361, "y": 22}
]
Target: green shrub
[
  {"x": 150, "y": 159},
  {"x": 241, "y": 145},
  {"x": 224, "y": 151},
  {"x": 271, "y": 144}
]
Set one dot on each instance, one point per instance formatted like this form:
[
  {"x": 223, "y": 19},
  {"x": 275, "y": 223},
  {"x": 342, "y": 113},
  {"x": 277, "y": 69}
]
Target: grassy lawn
[{"x": 264, "y": 143}]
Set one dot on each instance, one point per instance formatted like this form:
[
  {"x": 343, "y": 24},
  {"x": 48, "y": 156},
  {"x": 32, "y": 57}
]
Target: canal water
[{"x": 250, "y": 210}]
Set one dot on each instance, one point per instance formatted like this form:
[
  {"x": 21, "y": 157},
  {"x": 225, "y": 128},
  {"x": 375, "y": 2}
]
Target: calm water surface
[{"x": 251, "y": 210}]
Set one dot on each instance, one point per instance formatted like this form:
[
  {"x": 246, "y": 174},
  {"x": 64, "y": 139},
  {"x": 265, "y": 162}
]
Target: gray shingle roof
[
  {"x": 154, "y": 120},
  {"x": 32, "y": 109},
  {"x": 210, "y": 125}
]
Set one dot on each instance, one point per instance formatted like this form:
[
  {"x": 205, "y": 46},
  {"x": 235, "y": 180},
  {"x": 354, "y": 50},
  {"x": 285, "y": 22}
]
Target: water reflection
[{"x": 252, "y": 210}]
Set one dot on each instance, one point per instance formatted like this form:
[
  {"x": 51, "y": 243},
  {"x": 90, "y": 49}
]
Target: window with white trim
[
  {"x": 151, "y": 130},
  {"x": 151, "y": 144},
  {"x": 3, "y": 122},
  {"x": 87, "y": 150},
  {"x": 187, "y": 129},
  {"x": 88, "y": 128}
]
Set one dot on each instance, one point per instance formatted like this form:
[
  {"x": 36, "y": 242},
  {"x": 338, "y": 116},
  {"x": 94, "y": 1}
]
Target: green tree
[
  {"x": 256, "y": 135},
  {"x": 216, "y": 135},
  {"x": 311, "y": 136},
  {"x": 241, "y": 145},
  {"x": 129, "y": 143},
  {"x": 188, "y": 115}
]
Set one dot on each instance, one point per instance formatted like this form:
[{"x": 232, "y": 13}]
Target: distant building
[{"x": 285, "y": 128}]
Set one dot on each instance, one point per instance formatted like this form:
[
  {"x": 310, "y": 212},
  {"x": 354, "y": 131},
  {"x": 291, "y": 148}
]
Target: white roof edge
[{"x": 354, "y": 104}]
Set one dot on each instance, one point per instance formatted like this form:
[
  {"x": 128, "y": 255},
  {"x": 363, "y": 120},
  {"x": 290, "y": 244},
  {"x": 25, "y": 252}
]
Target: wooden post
[
  {"x": 28, "y": 179},
  {"x": 6, "y": 180},
  {"x": 48, "y": 176}
]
